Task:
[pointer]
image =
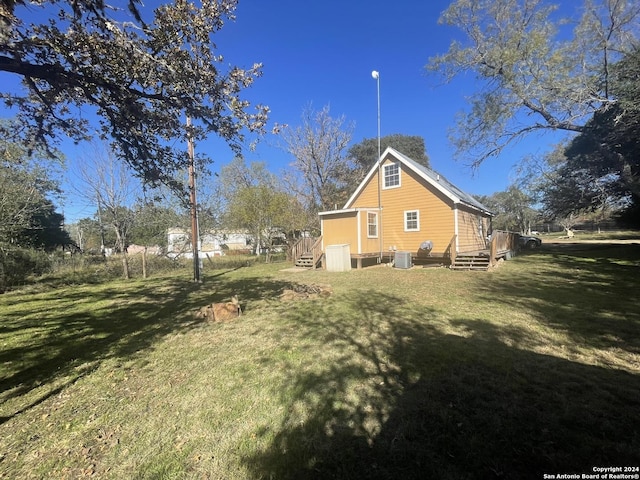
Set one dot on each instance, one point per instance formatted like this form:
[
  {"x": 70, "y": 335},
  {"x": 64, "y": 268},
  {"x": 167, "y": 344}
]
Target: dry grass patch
[{"x": 421, "y": 373}]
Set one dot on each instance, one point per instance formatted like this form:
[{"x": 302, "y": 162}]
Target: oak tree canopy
[
  {"x": 536, "y": 69},
  {"x": 140, "y": 72},
  {"x": 599, "y": 169}
]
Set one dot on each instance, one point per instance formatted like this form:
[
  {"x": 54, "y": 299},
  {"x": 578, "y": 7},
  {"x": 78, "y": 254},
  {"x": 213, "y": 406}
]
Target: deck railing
[
  {"x": 316, "y": 251},
  {"x": 505, "y": 240},
  {"x": 309, "y": 245},
  {"x": 502, "y": 241},
  {"x": 302, "y": 246},
  {"x": 450, "y": 251}
]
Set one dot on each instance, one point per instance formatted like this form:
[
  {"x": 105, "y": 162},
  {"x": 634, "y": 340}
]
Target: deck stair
[
  {"x": 305, "y": 260},
  {"x": 307, "y": 252},
  {"x": 471, "y": 261}
]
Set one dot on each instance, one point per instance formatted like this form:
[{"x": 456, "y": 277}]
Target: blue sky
[{"x": 323, "y": 52}]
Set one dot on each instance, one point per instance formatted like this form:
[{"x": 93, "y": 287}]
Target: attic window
[{"x": 391, "y": 175}]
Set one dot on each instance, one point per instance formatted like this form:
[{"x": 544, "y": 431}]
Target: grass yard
[{"x": 426, "y": 373}]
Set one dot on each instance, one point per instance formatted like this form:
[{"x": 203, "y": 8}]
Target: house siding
[
  {"x": 471, "y": 236},
  {"x": 368, "y": 245},
  {"x": 344, "y": 230},
  {"x": 435, "y": 211}
]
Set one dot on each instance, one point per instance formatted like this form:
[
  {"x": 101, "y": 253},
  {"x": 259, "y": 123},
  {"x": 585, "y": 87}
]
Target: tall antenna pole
[
  {"x": 193, "y": 205},
  {"x": 376, "y": 75}
]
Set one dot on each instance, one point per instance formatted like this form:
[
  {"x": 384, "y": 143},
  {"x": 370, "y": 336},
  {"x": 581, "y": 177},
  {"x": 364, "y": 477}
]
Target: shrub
[
  {"x": 229, "y": 261},
  {"x": 18, "y": 264}
]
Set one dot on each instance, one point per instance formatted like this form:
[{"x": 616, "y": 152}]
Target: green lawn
[{"x": 426, "y": 373}]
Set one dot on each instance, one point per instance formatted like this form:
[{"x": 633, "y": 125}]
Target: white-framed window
[
  {"x": 412, "y": 220},
  {"x": 372, "y": 225},
  {"x": 391, "y": 173}
]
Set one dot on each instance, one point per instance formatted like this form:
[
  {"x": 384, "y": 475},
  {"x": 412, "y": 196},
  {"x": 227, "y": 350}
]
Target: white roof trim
[
  {"x": 347, "y": 210},
  {"x": 364, "y": 181}
]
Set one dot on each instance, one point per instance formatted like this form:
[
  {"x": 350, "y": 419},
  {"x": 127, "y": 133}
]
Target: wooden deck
[
  {"x": 502, "y": 245},
  {"x": 472, "y": 260}
]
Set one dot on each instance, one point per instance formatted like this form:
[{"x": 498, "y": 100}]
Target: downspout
[
  {"x": 455, "y": 226},
  {"x": 380, "y": 208},
  {"x": 359, "y": 231}
]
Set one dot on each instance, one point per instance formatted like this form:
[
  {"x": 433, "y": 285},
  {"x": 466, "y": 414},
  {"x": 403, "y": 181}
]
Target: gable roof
[{"x": 433, "y": 178}]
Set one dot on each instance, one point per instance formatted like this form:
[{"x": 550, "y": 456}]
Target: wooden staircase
[
  {"x": 305, "y": 260},
  {"x": 307, "y": 252},
  {"x": 471, "y": 261}
]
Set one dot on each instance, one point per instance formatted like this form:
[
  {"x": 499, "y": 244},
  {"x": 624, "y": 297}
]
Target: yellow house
[{"x": 402, "y": 206}]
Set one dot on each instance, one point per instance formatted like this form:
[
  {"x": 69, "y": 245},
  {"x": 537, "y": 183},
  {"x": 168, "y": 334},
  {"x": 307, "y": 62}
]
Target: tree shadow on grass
[
  {"x": 404, "y": 398},
  {"x": 70, "y": 336},
  {"x": 590, "y": 295}
]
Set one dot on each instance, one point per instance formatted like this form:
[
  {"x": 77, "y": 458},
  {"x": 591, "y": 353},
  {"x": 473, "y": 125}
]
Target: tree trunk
[
  {"x": 125, "y": 266},
  {"x": 123, "y": 251},
  {"x": 144, "y": 262},
  {"x": 3, "y": 278},
  {"x": 258, "y": 243}
]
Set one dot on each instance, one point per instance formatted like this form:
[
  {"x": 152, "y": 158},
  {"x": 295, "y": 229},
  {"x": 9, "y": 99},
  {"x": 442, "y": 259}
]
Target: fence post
[{"x": 493, "y": 247}]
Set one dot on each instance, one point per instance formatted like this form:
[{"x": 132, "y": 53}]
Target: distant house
[
  {"x": 211, "y": 243},
  {"x": 133, "y": 249},
  {"x": 410, "y": 208}
]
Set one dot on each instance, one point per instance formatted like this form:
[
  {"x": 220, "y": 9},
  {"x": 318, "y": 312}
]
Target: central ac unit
[{"x": 402, "y": 260}]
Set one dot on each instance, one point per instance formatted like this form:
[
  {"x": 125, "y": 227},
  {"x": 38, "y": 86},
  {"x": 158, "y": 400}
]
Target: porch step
[
  {"x": 305, "y": 261},
  {"x": 471, "y": 262}
]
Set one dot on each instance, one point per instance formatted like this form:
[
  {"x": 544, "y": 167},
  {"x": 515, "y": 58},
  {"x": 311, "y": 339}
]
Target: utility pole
[{"x": 192, "y": 203}]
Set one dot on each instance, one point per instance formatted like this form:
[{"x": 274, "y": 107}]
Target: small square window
[{"x": 412, "y": 221}]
